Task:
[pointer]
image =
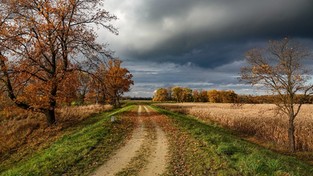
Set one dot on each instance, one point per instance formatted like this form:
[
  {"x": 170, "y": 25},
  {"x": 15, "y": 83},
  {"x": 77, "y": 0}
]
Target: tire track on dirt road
[
  {"x": 145, "y": 154},
  {"x": 158, "y": 159},
  {"x": 124, "y": 155}
]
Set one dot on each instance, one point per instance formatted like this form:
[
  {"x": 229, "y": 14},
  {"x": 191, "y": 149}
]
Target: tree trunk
[
  {"x": 113, "y": 102},
  {"x": 82, "y": 96},
  {"x": 103, "y": 98},
  {"x": 50, "y": 113},
  {"x": 118, "y": 101},
  {"x": 291, "y": 133},
  {"x": 50, "y": 116},
  {"x": 97, "y": 97},
  {"x": 81, "y": 99}
]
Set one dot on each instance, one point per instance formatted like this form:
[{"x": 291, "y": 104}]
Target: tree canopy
[
  {"x": 43, "y": 44},
  {"x": 281, "y": 69}
]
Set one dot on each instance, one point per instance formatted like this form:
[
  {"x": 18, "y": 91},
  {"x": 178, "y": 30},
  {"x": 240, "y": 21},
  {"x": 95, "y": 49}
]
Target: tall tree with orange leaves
[
  {"x": 117, "y": 81},
  {"x": 43, "y": 42}
]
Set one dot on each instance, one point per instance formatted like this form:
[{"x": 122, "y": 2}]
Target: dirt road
[{"x": 156, "y": 149}]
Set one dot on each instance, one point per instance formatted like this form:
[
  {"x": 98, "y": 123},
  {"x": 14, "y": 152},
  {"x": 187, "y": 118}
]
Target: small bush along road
[{"x": 148, "y": 140}]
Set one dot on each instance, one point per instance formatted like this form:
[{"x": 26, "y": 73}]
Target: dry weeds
[
  {"x": 23, "y": 131},
  {"x": 259, "y": 121}
]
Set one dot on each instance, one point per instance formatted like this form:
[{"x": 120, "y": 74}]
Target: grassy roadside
[
  {"x": 23, "y": 133},
  {"x": 230, "y": 155},
  {"x": 79, "y": 152}
]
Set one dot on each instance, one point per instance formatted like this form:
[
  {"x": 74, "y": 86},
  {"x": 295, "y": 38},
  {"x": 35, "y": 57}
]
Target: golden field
[{"x": 260, "y": 121}]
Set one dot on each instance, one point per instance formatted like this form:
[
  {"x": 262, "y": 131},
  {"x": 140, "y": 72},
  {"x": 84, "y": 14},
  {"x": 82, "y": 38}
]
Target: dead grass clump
[
  {"x": 260, "y": 121},
  {"x": 24, "y": 131},
  {"x": 80, "y": 112}
]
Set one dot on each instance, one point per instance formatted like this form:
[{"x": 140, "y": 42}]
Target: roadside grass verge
[
  {"x": 230, "y": 155},
  {"x": 80, "y": 152},
  {"x": 24, "y": 132}
]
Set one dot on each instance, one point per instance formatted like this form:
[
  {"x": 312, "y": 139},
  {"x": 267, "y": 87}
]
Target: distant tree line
[
  {"x": 184, "y": 94},
  {"x": 270, "y": 99}
]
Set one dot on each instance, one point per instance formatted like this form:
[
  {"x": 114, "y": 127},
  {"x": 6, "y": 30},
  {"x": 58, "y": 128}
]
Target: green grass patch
[
  {"x": 230, "y": 155},
  {"x": 80, "y": 152}
]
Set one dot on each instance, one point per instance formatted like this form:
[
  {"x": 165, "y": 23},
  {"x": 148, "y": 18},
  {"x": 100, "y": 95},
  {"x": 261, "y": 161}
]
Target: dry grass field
[
  {"x": 260, "y": 121},
  {"x": 24, "y": 131}
]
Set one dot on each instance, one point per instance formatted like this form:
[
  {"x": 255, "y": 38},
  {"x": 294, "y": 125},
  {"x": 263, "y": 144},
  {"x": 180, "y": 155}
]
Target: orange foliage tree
[
  {"x": 98, "y": 85},
  {"x": 110, "y": 82},
  {"x": 214, "y": 96},
  {"x": 161, "y": 94},
  {"x": 42, "y": 43},
  {"x": 118, "y": 80},
  {"x": 177, "y": 94},
  {"x": 84, "y": 87}
]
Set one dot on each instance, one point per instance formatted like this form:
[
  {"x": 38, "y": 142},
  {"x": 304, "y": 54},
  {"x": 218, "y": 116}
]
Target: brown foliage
[
  {"x": 161, "y": 95},
  {"x": 184, "y": 94},
  {"x": 111, "y": 82},
  {"x": 42, "y": 43}
]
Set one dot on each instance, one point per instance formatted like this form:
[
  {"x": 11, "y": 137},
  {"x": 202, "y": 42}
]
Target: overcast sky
[{"x": 199, "y": 43}]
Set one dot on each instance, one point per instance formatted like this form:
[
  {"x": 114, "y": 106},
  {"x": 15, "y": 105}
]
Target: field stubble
[{"x": 260, "y": 121}]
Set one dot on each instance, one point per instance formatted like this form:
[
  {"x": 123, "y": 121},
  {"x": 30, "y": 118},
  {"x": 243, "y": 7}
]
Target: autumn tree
[
  {"x": 196, "y": 96},
  {"x": 203, "y": 96},
  {"x": 228, "y": 96},
  {"x": 85, "y": 82},
  {"x": 67, "y": 89},
  {"x": 42, "y": 42},
  {"x": 177, "y": 94},
  {"x": 187, "y": 95},
  {"x": 117, "y": 81},
  {"x": 200, "y": 96},
  {"x": 98, "y": 84},
  {"x": 281, "y": 69},
  {"x": 169, "y": 91},
  {"x": 161, "y": 94},
  {"x": 214, "y": 96}
]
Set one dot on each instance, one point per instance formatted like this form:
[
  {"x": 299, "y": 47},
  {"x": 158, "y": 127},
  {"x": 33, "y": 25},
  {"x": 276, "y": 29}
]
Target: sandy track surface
[
  {"x": 157, "y": 160},
  {"x": 124, "y": 155}
]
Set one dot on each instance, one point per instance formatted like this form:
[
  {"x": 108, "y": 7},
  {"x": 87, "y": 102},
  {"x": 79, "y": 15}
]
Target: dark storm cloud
[
  {"x": 210, "y": 33},
  {"x": 200, "y": 43},
  {"x": 240, "y": 17},
  {"x": 208, "y": 55}
]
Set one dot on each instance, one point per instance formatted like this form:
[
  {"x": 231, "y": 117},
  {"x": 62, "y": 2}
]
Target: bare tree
[{"x": 281, "y": 69}]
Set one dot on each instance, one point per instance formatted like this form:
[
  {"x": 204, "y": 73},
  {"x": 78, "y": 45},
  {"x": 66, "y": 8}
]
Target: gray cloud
[
  {"x": 150, "y": 76},
  {"x": 172, "y": 30},
  {"x": 172, "y": 42}
]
